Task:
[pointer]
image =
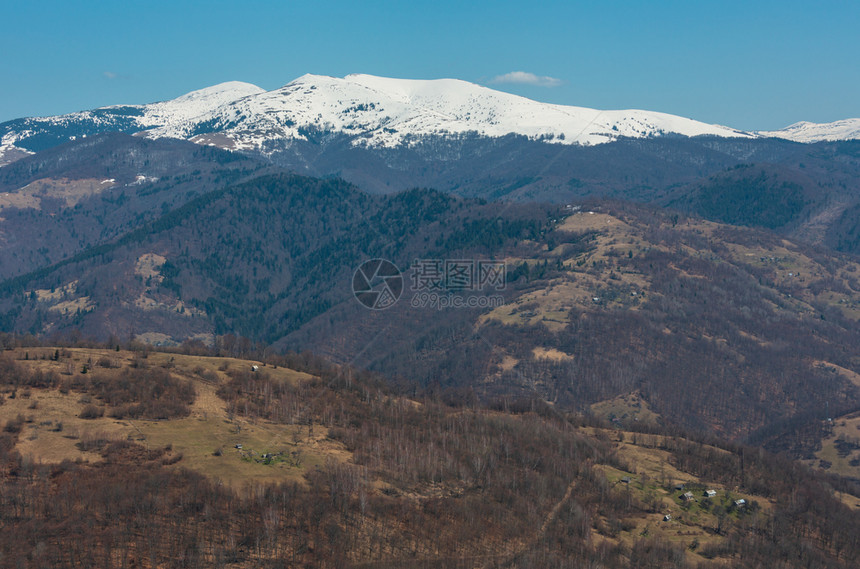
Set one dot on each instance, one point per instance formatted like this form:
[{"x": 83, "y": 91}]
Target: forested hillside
[
  {"x": 266, "y": 466},
  {"x": 719, "y": 329},
  {"x": 90, "y": 192}
]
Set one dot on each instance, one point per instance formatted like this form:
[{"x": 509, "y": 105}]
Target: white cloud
[
  {"x": 110, "y": 74},
  {"x": 524, "y": 77}
]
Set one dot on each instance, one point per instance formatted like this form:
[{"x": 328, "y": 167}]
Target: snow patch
[{"x": 141, "y": 179}]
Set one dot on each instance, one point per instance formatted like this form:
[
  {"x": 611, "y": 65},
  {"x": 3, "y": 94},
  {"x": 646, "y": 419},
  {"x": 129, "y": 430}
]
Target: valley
[{"x": 600, "y": 299}]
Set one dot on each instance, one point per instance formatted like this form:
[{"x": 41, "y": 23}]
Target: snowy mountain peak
[
  {"x": 221, "y": 93},
  {"x": 25, "y": 136},
  {"x": 816, "y": 132},
  {"x": 196, "y": 103},
  {"x": 388, "y": 112},
  {"x": 415, "y": 87}
]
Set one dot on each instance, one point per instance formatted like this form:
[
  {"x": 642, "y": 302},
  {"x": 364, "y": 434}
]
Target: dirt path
[{"x": 553, "y": 514}]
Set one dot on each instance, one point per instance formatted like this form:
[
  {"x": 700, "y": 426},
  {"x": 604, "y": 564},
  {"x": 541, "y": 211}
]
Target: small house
[
  {"x": 679, "y": 486},
  {"x": 688, "y": 497},
  {"x": 626, "y": 480},
  {"x": 710, "y": 493},
  {"x": 740, "y": 503},
  {"x": 239, "y": 447},
  {"x": 667, "y": 518},
  {"x": 255, "y": 367}
]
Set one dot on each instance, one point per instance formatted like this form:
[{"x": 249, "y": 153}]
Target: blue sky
[{"x": 750, "y": 65}]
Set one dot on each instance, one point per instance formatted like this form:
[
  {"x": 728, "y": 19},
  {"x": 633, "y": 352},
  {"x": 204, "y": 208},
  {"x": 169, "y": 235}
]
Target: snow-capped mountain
[
  {"x": 383, "y": 112},
  {"x": 816, "y": 132},
  {"x": 195, "y": 103},
  {"x": 25, "y": 136},
  {"x": 371, "y": 112}
]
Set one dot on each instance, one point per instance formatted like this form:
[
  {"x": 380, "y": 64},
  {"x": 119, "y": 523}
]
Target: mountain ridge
[
  {"x": 376, "y": 112},
  {"x": 806, "y": 132}
]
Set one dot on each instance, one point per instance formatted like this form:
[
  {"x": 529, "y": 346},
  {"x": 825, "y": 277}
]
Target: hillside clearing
[{"x": 206, "y": 439}]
